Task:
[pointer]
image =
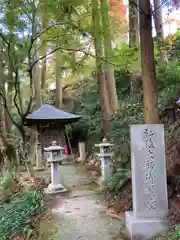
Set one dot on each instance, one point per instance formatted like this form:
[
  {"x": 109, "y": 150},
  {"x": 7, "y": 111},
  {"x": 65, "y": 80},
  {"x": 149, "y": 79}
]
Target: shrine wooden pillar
[{"x": 39, "y": 152}]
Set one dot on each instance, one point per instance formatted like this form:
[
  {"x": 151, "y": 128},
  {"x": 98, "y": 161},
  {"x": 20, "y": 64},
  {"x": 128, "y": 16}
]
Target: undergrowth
[
  {"x": 115, "y": 182},
  {"x": 173, "y": 235},
  {"x": 131, "y": 112},
  {"x": 16, "y": 217},
  {"x": 131, "y": 104},
  {"x": 9, "y": 187},
  {"x": 17, "y": 207}
]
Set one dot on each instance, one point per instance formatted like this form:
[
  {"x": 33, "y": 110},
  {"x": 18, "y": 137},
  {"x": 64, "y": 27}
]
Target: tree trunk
[
  {"x": 43, "y": 78},
  {"x": 43, "y": 53},
  {"x": 2, "y": 146},
  {"x": 135, "y": 77},
  {"x": 133, "y": 36},
  {"x": 109, "y": 70},
  {"x": 37, "y": 85},
  {"x": 97, "y": 35},
  {"x": 59, "y": 98},
  {"x": 73, "y": 62},
  {"x": 20, "y": 97},
  {"x": 159, "y": 29},
  {"x": 133, "y": 23},
  {"x": 1, "y": 116},
  {"x": 43, "y": 75},
  {"x": 8, "y": 93},
  {"x": 36, "y": 70},
  {"x": 151, "y": 114}
]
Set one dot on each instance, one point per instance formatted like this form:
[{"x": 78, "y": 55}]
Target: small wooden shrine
[{"x": 50, "y": 124}]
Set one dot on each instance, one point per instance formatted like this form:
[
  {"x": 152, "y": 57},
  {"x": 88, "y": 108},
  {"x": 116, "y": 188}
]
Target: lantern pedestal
[
  {"x": 55, "y": 186},
  {"x": 82, "y": 152}
]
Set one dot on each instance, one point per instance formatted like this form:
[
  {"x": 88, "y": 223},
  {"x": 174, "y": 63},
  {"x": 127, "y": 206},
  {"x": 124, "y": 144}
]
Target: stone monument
[
  {"x": 105, "y": 157},
  {"x": 149, "y": 182},
  {"x": 55, "y": 155}
]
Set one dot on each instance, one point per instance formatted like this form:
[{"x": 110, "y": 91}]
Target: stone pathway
[{"x": 80, "y": 215}]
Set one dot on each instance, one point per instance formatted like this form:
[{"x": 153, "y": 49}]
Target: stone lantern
[
  {"x": 55, "y": 155},
  {"x": 105, "y": 157}
]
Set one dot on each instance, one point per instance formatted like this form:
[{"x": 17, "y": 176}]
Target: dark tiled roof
[{"x": 48, "y": 112}]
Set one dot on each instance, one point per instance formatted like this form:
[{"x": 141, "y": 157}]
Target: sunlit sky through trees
[{"x": 171, "y": 20}]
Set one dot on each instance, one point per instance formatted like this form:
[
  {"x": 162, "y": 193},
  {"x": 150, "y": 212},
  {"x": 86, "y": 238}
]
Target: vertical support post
[
  {"x": 39, "y": 165},
  {"x": 82, "y": 152},
  {"x": 55, "y": 173},
  {"x": 38, "y": 156},
  {"x": 105, "y": 164}
]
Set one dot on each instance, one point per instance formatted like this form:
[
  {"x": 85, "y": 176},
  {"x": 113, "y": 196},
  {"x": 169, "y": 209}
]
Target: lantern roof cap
[{"x": 104, "y": 143}]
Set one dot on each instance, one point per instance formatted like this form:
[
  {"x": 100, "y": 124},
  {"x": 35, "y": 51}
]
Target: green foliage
[
  {"x": 6, "y": 179},
  {"x": 126, "y": 58},
  {"x": 173, "y": 235},
  {"x": 178, "y": 43},
  {"x": 8, "y": 187},
  {"x": 168, "y": 83},
  {"x": 131, "y": 105},
  {"x": 90, "y": 110},
  {"x": 123, "y": 82},
  {"x": 168, "y": 75},
  {"x": 131, "y": 112},
  {"x": 32, "y": 27},
  {"x": 90, "y": 105},
  {"x": 115, "y": 182},
  {"x": 15, "y": 219},
  {"x": 177, "y": 231}
]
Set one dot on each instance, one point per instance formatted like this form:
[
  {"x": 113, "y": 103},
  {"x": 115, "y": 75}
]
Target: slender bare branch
[
  {"x": 4, "y": 39},
  {"x": 16, "y": 94},
  {"x": 68, "y": 49}
]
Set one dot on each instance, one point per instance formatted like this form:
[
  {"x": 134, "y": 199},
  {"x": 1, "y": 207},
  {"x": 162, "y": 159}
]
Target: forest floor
[{"x": 81, "y": 214}]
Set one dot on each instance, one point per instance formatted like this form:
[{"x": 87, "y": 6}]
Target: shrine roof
[{"x": 49, "y": 113}]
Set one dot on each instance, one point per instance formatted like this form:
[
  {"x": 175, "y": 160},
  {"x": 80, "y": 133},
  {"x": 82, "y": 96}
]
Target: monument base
[
  {"x": 55, "y": 189},
  {"x": 143, "y": 228}
]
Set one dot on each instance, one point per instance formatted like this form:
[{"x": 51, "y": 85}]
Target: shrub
[
  {"x": 131, "y": 112},
  {"x": 174, "y": 235},
  {"x": 168, "y": 75},
  {"x": 15, "y": 219},
  {"x": 115, "y": 182},
  {"x": 8, "y": 186},
  {"x": 6, "y": 179}
]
